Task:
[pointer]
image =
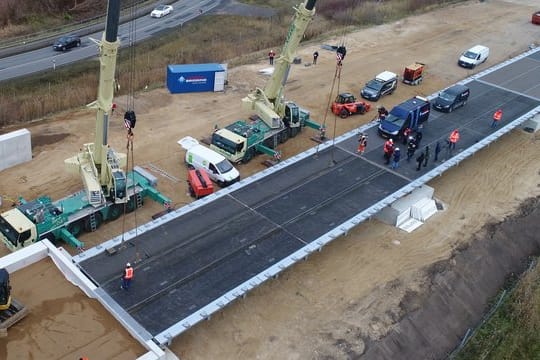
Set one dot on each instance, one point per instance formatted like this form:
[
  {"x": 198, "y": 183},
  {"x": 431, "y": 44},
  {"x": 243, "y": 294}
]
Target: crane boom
[
  {"x": 98, "y": 164},
  {"x": 268, "y": 104}
]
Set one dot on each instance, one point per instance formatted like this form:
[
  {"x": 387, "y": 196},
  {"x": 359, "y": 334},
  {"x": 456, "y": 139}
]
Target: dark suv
[
  {"x": 383, "y": 84},
  {"x": 67, "y": 42},
  {"x": 451, "y": 98}
]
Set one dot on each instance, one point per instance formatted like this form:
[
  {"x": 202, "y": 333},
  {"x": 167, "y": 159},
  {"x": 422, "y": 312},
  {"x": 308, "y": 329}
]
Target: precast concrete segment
[
  {"x": 15, "y": 148},
  {"x": 184, "y": 265}
]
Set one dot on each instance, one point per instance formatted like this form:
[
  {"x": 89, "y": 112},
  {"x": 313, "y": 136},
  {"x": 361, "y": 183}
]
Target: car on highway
[
  {"x": 67, "y": 42},
  {"x": 161, "y": 10}
]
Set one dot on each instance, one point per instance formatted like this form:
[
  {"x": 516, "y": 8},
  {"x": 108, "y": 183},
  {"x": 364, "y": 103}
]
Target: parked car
[
  {"x": 161, "y": 10},
  {"x": 67, "y": 42},
  {"x": 451, "y": 98},
  {"x": 383, "y": 84},
  {"x": 474, "y": 56}
]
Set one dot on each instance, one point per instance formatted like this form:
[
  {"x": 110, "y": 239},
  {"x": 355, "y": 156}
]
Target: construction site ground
[{"x": 339, "y": 303}]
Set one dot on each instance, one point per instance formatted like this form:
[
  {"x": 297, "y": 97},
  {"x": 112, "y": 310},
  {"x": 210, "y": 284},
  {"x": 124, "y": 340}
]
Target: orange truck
[{"x": 346, "y": 104}]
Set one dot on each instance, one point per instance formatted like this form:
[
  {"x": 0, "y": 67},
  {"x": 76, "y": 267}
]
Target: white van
[
  {"x": 474, "y": 56},
  {"x": 200, "y": 157}
]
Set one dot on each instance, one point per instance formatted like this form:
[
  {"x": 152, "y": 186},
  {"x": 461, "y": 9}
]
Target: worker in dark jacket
[
  {"x": 426, "y": 155},
  {"x": 411, "y": 148},
  {"x": 419, "y": 160}
]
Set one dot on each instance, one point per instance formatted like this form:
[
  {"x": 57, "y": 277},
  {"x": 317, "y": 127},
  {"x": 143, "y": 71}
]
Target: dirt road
[{"x": 335, "y": 303}]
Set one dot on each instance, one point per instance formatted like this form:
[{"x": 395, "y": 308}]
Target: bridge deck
[{"x": 218, "y": 249}]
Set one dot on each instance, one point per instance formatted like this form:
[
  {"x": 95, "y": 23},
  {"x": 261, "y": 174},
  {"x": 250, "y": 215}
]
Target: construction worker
[
  {"x": 315, "y": 56},
  {"x": 271, "y": 56},
  {"x": 453, "y": 139},
  {"x": 381, "y": 110},
  {"x": 127, "y": 276},
  {"x": 437, "y": 150},
  {"x": 397, "y": 156},
  {"x": 362, "y": 143},
  {"x": 406, "y": 134},
  {"x": 497, "y": 116},
  {"x": 419, "y": 134},
  {"x": 411, "y": 148},
  {"x": 419, "y": 160},
  {"x": 426, "y": 155},
  {"x": 388, "y": 150}
]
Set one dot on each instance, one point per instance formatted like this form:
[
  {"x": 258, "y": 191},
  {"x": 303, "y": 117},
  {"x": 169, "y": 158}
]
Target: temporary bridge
[{"x": 196, "y": 260}]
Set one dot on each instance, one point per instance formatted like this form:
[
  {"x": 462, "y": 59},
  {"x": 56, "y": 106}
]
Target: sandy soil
[{"x": 349, "y": 291}]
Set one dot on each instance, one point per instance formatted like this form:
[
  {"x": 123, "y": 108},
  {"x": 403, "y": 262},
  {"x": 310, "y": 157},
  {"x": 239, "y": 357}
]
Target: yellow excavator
[{"x": 11, "y": 311}]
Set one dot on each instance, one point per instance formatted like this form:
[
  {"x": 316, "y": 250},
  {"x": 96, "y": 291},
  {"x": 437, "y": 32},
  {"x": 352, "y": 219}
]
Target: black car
[
  {"x": 451, "y": 98},
  {"x": 67, "y": 42}
]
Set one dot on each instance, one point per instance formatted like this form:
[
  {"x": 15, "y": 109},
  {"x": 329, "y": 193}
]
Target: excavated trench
[{"x": 457, "y": 294}]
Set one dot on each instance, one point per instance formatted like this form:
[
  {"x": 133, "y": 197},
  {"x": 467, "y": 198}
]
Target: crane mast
[
  {"x": 269, "y": 104},
  {"x": 98, "y": 164}
]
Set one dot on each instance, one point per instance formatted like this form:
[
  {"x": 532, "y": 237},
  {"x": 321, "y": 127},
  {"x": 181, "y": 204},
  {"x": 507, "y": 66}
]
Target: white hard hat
[
  {"x": 128, "y": 265},
  {"x": 391, "y": 140}
]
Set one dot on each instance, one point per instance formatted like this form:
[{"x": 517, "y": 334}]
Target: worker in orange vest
[
  {"x": 497, "y": 116},
  {"x": 453, "y": 139},
  {"x": 127, "y": 276},
  {"x": 362, "y": 143},
  {"x": 388, "y": 150}
]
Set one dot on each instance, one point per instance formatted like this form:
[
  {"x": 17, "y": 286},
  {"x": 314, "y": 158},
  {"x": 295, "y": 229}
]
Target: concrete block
[
  {"x": 15, "y": 148},
  {"x": 399, "y": 211},
  {"x": 532, "y": 125}
]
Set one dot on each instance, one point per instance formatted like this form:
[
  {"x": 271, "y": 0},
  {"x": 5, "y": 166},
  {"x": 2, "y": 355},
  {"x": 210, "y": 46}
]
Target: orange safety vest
[
  {"x": 128, "y": 273},
  {"x": 498, "y": 115},
  {"x": 388, "y": 147},
  {"x": 454, "y": 137}
]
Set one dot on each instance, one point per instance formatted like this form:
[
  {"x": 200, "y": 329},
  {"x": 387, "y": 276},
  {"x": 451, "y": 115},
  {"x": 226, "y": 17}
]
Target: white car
[{"x": 161, "y": 11}]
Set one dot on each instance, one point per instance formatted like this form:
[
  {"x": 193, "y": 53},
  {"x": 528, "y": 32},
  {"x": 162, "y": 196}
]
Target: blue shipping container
[{"x": 195, "y": 78}]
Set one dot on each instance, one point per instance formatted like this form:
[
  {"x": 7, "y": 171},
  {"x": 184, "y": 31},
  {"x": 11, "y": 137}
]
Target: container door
[{"x": 219, "y": 81}]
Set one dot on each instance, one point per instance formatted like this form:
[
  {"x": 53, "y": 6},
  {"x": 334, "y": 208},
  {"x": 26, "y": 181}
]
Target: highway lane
[{"x": 46, "y": 59}]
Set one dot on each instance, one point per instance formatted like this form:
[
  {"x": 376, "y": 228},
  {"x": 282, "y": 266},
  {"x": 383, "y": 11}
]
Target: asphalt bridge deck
[{"x": 190, "y": 261}]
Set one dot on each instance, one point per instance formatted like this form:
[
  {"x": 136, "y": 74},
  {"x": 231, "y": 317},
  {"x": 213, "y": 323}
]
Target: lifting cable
[
  {"x": 130, "y": 117},
  {"x": 341, "y": 51}
]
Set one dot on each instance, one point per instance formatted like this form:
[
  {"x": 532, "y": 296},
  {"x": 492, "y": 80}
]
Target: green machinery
[
  {"x": 276, "y": 119},
  {"x": 109, "y": 191}
]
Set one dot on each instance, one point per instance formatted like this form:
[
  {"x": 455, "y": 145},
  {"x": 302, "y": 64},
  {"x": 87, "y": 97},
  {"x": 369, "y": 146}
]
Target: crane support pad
[{"x": 228, "y": 244}]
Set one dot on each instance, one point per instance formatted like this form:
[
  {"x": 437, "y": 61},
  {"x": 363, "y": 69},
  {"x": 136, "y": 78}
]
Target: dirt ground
[{"x": 346, "y": 291}]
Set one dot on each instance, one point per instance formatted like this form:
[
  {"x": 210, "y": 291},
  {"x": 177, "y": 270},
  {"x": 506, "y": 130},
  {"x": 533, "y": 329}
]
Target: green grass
[{"x": 513, "y": 332}]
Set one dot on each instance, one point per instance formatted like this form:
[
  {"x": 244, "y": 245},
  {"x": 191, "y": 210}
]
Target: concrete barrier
[{"x": 15, "y": 148}]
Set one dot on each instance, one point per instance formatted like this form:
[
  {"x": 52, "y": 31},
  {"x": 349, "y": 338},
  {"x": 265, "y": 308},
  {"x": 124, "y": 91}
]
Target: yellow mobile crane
[
  {"x": 99, "y": 165},
  {"x": 109, "y": 192},
  {"x": 276, "y": 118}
]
